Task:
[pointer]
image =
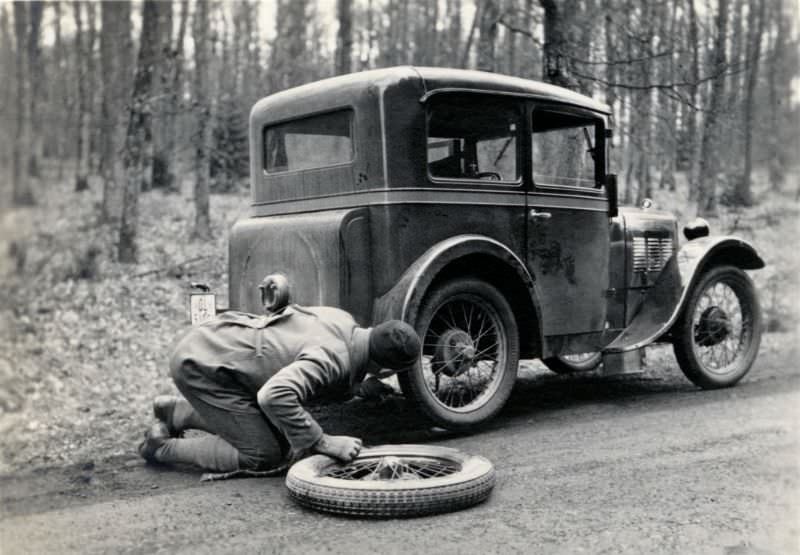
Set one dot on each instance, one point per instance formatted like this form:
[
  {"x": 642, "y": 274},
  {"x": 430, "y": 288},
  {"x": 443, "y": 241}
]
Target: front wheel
[
  {"x": 718, "y": 334},
  {"x": 470, "y": 354}
]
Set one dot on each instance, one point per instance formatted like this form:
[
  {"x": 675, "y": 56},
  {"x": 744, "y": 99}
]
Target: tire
[
  {"x": 722, "y": 312},
  {"x": 464, "y": 314},
  {"x": 317, "y": 482},
  {"x": 563, "y": 364}
]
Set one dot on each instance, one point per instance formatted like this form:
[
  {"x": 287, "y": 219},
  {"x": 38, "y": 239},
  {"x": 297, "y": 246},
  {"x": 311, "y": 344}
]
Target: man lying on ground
[{"x": 245, "y": 378}]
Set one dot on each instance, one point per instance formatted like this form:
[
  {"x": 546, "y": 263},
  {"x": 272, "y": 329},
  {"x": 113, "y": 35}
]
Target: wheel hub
[
  {"x": 455, "y": 352},
  {"x": 713, "y": 328}
]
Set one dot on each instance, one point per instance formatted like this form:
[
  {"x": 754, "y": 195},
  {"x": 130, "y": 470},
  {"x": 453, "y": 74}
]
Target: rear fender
[
  {"x": 404, "y": 300},
  {"x": 666, "y": 299}
]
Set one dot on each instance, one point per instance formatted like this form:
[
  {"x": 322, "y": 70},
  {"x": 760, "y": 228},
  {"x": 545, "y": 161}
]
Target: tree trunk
[
  {"x": 7, "y": 67},
  {"x": 692, "y": 128},
  {"x": 556, "y": 64},
  {"x": 92, "y": 80},
  {"x": 644, "y": 104},
  {"x": 82, "y": 138},
  {"x": 114, "y": 37},
  {"x": 453, "y": 32},
  {"x": 171, "y": 152},
  {"x": 289, "y": 48},
  {"x": 743, "y": 193},
  {"x": 37, "y": 80},
  {"x": 137, "y": 135},
  {"x": 61, "y": 90},
  {"x": 470, "y": 37},
  {"x": 202, "y": 220},
  {"x": 777, "y": 76},
  {"x": 344, "y": 38},
  {"x": 487, "y": 36},
  {"x": 707, "y": 197},
  {"x": 22, "y": 194},
  {"x": 162, "y": 81}
]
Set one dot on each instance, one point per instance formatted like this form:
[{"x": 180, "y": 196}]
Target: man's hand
[
  {"x": 373, "y": 389},
  {"x": 343, "y": 448}
]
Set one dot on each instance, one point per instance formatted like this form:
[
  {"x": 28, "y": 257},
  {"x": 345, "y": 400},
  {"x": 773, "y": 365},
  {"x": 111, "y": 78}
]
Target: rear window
[{"x": 308, "y": 143}]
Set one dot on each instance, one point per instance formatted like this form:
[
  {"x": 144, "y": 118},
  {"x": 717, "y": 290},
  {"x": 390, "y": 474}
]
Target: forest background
[{"x": 124, "y": 158}]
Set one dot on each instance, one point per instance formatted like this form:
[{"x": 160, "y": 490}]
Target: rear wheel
[
  {"x": 719, "y": 332},
  {"x": 470, "y": 354},
  {"x": 567, "y": 364}
]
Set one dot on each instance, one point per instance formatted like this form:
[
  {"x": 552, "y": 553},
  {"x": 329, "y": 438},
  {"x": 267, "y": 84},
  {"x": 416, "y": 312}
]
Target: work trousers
[{"x": 231, "y": 411}]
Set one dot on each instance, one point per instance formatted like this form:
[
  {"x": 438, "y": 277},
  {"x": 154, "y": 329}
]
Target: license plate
[{"x": 202, "y": 307}]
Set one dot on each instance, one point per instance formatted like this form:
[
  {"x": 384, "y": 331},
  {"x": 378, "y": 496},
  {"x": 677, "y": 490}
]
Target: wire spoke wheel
[
  {"x": 719, "y": 332},
  {"x": 470, "y": 353},
  {"x": 392, "y": 481},
  {"x": 463, "y": 350}
]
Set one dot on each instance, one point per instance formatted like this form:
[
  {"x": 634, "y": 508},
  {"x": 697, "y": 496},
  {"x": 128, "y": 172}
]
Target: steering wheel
[{"x": 494, "y": 176}]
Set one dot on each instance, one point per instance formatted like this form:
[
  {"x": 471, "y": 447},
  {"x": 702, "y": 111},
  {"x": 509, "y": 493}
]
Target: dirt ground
[{"x": 643, "y": 463}]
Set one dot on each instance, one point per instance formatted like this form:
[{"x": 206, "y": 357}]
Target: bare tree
[
  {"x": 137, "y": 135},
  {"x": 23, "y": 194},
  {"x": 344, "y": 37},
  {"x": 35, "y": 92},
  {"x": 453, "y": 15},
  {"x": 557, "y": 67},
  {"x": 288, "y": 58},
  {"x": 200, "y": 24},
  {"x": 115, "y": 46},
  {"x": 82, "y": 53},
  {"x": 171, "y": 157},
  {"x": 707, "y": 197},
  {"x": 162, "y": 82},
  {"x": 487, "y": 37},
  {"x": 743, "y": 193}
]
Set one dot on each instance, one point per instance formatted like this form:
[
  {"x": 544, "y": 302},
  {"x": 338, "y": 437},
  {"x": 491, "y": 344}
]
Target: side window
[
  {"x": 308, "y": 143},
  {"x": 564, "y": 150},
  {"x": 471, "y": 139}
]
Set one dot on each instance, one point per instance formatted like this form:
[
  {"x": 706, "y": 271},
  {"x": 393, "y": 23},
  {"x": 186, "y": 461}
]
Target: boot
[{"x": 154, "y": 439}]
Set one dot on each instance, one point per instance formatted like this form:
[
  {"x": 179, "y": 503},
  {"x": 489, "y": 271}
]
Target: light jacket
[{"x": 283, "y": 360}]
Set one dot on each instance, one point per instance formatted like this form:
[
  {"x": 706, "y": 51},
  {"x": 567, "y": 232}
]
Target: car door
[{"x": 567, "y": 218}]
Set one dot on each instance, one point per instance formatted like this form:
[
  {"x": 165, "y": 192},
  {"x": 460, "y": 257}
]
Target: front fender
[
  {"x": 404, "y": 299},
  {"x": 666, "y": 299}
]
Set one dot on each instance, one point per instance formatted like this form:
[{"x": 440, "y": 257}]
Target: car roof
[
  {"x": 439, "y": 79},
  {"x": 423, "y": 83}
]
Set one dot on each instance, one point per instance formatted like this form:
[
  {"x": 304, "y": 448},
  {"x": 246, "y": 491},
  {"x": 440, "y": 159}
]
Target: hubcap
[
  {"x": 713, "y": 328},
  {"x": 455, "y": 352}
]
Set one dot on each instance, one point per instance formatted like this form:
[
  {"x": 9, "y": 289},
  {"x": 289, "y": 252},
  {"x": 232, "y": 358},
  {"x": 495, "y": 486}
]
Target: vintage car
[{"x": 480, "y": 208}]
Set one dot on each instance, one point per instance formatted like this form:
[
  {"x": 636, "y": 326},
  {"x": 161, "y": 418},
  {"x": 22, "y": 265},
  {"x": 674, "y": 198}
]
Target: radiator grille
[{"x": 650, "y": 254}]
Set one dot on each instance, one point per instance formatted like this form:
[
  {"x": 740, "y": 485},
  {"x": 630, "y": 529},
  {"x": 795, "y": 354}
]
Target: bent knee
[{"x": 183, "y": 372}]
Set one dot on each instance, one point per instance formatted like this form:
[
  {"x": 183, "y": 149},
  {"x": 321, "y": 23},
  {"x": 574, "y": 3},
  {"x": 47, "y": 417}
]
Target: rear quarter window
[{"x": 308, "y": 143}]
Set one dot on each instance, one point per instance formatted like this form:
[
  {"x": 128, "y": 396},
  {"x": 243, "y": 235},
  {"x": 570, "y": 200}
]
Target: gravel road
[{"x": 586, "y": 464}]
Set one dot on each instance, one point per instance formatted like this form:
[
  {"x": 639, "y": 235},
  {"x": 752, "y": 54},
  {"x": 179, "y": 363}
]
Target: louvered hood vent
[{"x": 650, "y": 254}]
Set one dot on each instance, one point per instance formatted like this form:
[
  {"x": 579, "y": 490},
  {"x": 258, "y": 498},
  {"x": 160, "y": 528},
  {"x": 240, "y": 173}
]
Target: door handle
[{"x": 534, "y": 215}]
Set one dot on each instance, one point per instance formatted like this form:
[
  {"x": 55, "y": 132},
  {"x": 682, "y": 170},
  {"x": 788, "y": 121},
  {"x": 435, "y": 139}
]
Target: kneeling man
[{"x": 245, "y": 378}]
